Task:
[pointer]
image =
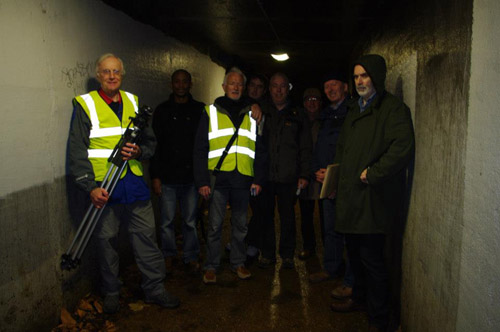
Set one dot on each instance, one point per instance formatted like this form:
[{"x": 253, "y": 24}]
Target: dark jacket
[
  {"x": 175, "y": 128},
  {"x": 289, "y": 143},
  {"x": 381, "y": 139},
  {"x": 233, "y": 179},
  {"x": 331, "y": 121}
]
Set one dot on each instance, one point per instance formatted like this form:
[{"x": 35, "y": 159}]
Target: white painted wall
[
  {"x": 47, "y": 54},
  {"x": 479, "y": 300}
]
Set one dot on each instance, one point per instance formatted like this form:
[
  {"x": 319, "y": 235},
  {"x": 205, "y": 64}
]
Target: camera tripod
[{"x": 71, "y": 259}]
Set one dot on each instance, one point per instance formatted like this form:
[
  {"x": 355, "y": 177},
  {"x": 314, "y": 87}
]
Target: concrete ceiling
[{"x": 317, "y": 34}]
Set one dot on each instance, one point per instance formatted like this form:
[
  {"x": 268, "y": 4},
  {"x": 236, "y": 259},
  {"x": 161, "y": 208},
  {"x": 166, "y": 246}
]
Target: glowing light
[{"x": 280, "y": 57}]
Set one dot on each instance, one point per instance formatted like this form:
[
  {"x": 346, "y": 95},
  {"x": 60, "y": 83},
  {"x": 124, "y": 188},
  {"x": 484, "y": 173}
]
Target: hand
[
  {"x": 363, "y": 176},
  {"x": 302, "y": 184},
  {"x": 257, "y": 189},
  {"x": 99, "y": 197},
  {"x": 204, "y": 192},
  {"x": 320, "y": 175},
  {"x": 256, "y": 113},
  {"x": 131, "y": 151},
  {"x": 156, "y": 184}
]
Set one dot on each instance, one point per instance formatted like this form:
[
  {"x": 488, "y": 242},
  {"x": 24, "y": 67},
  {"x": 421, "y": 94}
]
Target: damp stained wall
[
  {"x": 451, "y": 243},
  {"x": 479, "y": 303},
  {"x": 47, "y": 54}
]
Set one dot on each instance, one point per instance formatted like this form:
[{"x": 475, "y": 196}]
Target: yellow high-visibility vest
[
  {"x": 106, "y": 130},
  {"x": 241, "y": 155}
]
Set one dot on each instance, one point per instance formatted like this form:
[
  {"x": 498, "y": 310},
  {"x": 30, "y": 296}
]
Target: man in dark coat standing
[{"x": 374, "y": 148}]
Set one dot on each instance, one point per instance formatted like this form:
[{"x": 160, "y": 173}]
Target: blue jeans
[
  {"x": 238, "y": 200},
  {"x": 333, "y": 244},
  {"x": 188, "y": 200}
]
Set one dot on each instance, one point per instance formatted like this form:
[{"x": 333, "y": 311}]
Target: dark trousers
[
  {"x": 371, "y": 279},
  {"x": 307, "y": 223},
  {"x": 254, "y": 235},
  {"x": 284, "y": 194}
]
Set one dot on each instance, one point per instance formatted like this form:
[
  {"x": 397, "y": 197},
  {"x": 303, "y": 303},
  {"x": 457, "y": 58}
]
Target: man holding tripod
[{"x": 99, "y": 119}]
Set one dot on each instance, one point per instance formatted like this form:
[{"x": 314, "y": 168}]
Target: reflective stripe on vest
[
  {"x": 242, "y": 153},
  {"x": 104, "y": 132}
]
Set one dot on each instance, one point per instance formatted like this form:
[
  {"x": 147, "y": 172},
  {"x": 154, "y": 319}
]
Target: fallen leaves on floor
[{"x": 88, "y": 316}]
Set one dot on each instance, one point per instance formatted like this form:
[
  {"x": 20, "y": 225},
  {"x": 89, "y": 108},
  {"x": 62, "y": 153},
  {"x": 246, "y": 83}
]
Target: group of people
[{"x": 249, "y": 149}]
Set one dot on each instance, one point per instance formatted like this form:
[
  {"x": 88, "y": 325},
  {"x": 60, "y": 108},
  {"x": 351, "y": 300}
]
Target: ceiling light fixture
[{"x": 281, "y": 55}]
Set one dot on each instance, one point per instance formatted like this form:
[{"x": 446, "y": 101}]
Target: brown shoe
[
  {"x": 348, "y": 305},
  {"x": 242, "y": 272},
  {"x": 319, "y": 277},
  {"x": 342, "y": 292},
  {"x": 209, "y": 278},
  {"x": 169, "y": 265}
]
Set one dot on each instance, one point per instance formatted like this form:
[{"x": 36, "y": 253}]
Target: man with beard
[
  {"x": 374, "y": 148},
  {"x": 175, "y": 122},
  {"x": 229, "y": 165}
]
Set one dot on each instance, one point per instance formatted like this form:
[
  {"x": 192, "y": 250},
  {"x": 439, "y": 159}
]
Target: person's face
[
  {"x": 363, "y": 82},
  {"x": 181, "y": 84},
  {"x": 255, "y": 88},
  {"x": 312, "y": 104},
  {"x": 109, "y": 74},
  {"x": 335, "y": 90},
  {"x": 278, "y": 88},
  {"x": 233, "y": 86}
]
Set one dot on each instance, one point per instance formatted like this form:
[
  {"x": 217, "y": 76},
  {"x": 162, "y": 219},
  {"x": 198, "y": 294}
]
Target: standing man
[
  {"x": 256, "y": 87},
  {"x": 99, "y": 119},
  {"x": 374, "y": 149},
  {"x": 290, "y": 147},
  {"x": 309, "y": 196},
  {"x": 175, "y": 122},
  {"x": 332, "y": 117},
  {"x": 229, "y": 165}
]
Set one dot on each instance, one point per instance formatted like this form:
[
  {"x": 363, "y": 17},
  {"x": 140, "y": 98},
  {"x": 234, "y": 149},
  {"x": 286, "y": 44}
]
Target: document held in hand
[{"x": 331, "y": 181}]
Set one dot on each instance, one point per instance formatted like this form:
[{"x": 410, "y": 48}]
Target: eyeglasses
[
  {"x": 107, "y": 72},
  {"x": 311, "y": 98}
]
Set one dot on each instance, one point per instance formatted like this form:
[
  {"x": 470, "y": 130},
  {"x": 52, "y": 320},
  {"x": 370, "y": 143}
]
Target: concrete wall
[
  {"x": 451, "y": 265},
  {"x": 47, "y": 54},
  {"x": 479, "y": 303}
]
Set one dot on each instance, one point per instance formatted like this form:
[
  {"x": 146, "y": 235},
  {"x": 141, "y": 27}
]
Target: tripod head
[{"x": 132, "y": 134}]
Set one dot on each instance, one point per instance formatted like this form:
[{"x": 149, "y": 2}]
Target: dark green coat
[{"x": 382, "y": 139}]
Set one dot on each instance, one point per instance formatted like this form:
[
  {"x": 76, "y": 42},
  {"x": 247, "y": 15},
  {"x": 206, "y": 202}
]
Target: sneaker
[
  {"x": 111, "y": 304},
  {"x": 342, "y": 292},
  {"x": 164, "y": 300},
  {"x": 265, "y": 263},
  {"x": 242, "y": 272},
  {"x": 320, "y": 276},
  {"x": 209, "y": 278},
  {"x": 288, "y": 263}
]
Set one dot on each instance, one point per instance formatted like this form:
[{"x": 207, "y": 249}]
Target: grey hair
[
  {"x": 104, "y": 57},
  {"x": 237, "y": 71}
]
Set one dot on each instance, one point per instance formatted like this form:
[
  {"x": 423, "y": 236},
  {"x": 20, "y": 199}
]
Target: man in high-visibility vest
[
  {"x": 99, "y": 119},
  {"x": 227, "y": 126}
]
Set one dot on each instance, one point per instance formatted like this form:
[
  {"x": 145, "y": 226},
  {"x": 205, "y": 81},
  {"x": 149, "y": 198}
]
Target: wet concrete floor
[{"x": 272, "y": 300}]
